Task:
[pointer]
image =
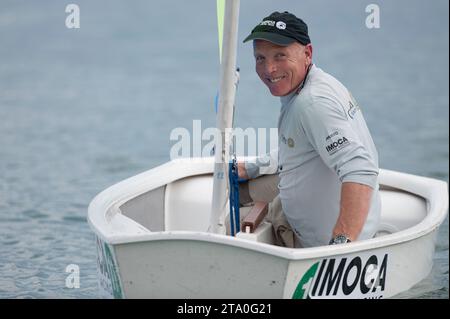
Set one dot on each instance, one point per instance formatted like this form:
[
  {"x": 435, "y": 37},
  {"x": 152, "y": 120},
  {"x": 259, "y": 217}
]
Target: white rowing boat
[
  {"x": 158, "y": 237},
  {"x": 152, "y": 242}
]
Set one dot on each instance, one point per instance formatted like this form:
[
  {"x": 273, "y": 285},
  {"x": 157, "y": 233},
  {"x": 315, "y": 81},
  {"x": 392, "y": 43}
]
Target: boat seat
[
  {"x": 253, "y": 226},
  {"x": 256, "y": 215}
]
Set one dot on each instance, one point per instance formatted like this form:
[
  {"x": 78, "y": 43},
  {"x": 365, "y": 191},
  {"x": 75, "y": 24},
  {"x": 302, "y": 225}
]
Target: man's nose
[{"x": 270, "y": 67}]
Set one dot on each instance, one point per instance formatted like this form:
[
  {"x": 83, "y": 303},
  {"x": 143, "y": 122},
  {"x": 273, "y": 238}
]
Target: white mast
[{"x": 224, "y": 121}]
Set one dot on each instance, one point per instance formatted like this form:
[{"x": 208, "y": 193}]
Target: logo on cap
[
  {"x": 281, "y": 25},
  {"x": 270, "y": 23}
]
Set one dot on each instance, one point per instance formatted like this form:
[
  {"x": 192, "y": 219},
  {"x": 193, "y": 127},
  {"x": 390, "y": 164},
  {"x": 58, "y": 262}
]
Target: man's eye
[
  {"x": 259, "y": 58},
  {"x": 280, "y": 55}
]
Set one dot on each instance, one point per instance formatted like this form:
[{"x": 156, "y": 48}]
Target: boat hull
[{"x": 177, "y": 268}]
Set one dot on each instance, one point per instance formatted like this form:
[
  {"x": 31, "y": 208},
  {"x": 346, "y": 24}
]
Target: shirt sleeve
[
  {"x": 261, "y": 165},
  {"x": 338, "y": 143}
]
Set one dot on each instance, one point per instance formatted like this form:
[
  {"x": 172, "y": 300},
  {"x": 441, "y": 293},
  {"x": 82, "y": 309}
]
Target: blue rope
[{"x": 234, "y": 197}]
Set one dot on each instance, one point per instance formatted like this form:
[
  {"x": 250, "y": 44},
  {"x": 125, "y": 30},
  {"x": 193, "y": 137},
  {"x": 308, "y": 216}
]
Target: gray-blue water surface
[{"x": 82, "y": 109}]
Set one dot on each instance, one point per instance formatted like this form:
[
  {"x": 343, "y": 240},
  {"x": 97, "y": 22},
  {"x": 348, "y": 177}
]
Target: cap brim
[{"x": 271, "y": 37}]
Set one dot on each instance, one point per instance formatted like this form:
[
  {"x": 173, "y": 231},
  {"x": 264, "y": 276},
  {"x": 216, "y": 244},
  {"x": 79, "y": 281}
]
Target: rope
[{"x": 234, "y": 197}]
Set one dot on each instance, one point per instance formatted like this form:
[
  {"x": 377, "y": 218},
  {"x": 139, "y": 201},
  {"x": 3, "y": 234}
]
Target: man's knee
[{"x": 264, "y": 188}]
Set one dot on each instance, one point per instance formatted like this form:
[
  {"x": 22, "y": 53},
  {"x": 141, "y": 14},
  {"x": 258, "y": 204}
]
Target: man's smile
[{"x": 275, "y": 79}]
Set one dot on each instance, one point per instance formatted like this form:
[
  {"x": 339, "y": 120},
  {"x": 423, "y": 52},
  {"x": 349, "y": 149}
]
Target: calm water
[{"x": 82, "y": 109}]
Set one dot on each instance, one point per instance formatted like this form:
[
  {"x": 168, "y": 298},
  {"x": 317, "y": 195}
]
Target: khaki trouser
[{"x": 265, "y": 189}]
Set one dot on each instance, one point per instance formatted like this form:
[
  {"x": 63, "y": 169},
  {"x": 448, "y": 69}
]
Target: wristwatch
[{"x": 339, "y": 239}]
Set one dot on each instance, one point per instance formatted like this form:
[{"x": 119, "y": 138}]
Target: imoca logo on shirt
[
  {"x": 337, "y": 145},
  {"x": 342, "y": 278}
]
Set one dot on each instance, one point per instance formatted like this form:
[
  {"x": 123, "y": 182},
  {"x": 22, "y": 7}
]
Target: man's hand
[{"x": 242, "y": 172}]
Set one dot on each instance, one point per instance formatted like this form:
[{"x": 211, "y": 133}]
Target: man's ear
[{"x": 308, "y": 53}]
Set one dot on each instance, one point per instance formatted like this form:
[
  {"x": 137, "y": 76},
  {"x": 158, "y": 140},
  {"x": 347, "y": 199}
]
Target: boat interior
[{"x": 185, "y": 204}]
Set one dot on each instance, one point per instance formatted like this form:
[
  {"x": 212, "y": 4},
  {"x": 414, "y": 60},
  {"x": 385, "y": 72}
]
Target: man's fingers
[{"x": 242, "y": 172}]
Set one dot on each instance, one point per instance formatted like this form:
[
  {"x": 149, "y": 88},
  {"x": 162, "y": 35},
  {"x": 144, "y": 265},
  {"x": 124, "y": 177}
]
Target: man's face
[{"x": 281, "y": 68}]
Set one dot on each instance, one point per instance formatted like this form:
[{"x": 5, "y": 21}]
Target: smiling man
[{"x": 327, "y": 161}]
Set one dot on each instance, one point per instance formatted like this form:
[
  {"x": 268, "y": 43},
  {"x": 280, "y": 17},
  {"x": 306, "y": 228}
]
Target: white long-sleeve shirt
[{"x": 323, "y": 142}]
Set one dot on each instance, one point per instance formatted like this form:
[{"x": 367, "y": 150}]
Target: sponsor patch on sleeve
[
  {"x": 353, "y": 106},
  {"x": 335, "y": 142}
]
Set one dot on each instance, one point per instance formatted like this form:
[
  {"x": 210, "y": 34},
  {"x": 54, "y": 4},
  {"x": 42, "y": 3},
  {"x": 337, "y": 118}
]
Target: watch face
[{"x": 339, "y": 239}]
